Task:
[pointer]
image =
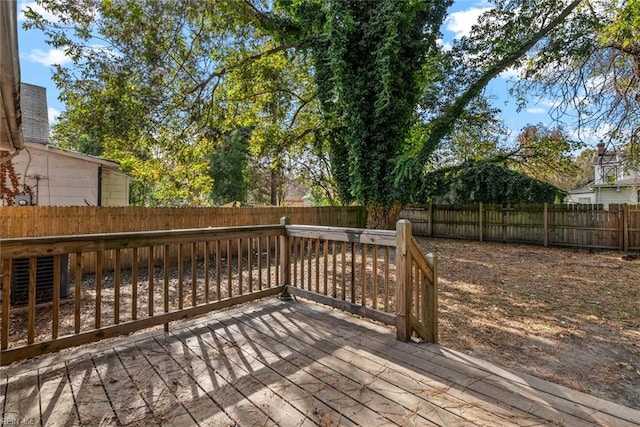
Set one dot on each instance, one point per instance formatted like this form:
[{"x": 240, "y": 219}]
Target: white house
[
  {"x": 615, "y": 180},
  {"x": 50, "y": 176}
]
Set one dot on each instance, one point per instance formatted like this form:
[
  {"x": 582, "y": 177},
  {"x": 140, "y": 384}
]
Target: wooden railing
[
  {"x": 241, "y": 265},
  {"x": 417, "y": 288},
  {"x": 353, "y": 270},
  {"x": 147, "y": 279}
]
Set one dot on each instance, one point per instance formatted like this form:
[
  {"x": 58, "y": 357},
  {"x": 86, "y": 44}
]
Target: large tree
[
  {"x": 175, "y": 75},
  {"x": 590, "y": 67}
]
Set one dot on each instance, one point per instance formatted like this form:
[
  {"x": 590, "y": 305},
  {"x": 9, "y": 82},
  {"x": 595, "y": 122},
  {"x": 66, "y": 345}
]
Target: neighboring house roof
[
  {"x": 80, "y": 156},
  {"x": 581, "y": 191},
  {"x": 627, "y": 182},
  {"x": 10, "y": 117}
]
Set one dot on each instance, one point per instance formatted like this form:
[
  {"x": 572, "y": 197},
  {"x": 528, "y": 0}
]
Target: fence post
[
  {"x": 430, "y": 221},
  {"x": 625, "y": 227},
  {"x": 545, "y": 221},
  {"x": 403, "y": 280},
  {"x": 285, "y": 259},
  {"x": 480, "y": 222},
  {"x": 432, "y": 299}
]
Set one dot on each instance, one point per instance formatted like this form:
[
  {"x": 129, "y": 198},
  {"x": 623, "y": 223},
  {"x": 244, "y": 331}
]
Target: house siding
[
  {"x": 115, "y": 188},
  {"x": 64, "y": 179},
  {"x": 611, "y": 195},
  {"x": 58, "y": 180}
]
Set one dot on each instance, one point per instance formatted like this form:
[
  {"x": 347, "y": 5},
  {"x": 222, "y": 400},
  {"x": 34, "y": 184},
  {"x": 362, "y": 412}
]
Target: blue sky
[{"x": 36, "y": 59}]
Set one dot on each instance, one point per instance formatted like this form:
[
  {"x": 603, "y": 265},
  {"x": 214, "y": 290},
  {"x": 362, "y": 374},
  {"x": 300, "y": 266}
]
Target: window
[{"x": 609, "y": 174}]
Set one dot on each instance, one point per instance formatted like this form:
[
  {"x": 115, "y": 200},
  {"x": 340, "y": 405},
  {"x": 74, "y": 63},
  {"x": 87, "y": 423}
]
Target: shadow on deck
[{"x": 284, "y": 363}]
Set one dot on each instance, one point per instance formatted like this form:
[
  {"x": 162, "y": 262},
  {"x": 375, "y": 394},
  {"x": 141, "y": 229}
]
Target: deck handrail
[
  {"x": 347, "y": 268},
  {"x": 238, "y": 279},
  {"x": 417, "y": 288}
]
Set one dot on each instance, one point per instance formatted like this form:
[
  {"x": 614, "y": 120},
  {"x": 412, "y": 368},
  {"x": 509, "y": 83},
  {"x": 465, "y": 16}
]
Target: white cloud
[
  {"x": 460, "y": 23},
  {"x": 536, "y": 110},
  {"x": 446, "y": 46},
  {"x": 36, "y": 8},
  {"x": 48, "y": 58},
  {"x": 53, "y": 114},
  {"x": 510, "y": 73}
]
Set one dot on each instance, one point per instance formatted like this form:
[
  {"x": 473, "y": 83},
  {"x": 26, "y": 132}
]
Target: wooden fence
[
  {"x": 41, "y": 221},
  {"x": 351, "y": 269},
  {"x": 585, "y": 226}
]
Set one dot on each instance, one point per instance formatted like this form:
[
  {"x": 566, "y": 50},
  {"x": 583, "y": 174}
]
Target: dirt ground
[{"x": 566, "y": 315}]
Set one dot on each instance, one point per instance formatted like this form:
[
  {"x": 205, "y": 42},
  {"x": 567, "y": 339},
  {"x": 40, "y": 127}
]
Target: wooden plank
[
  {"x": 116, "y": 287},
  {"x": 77, "y": 292},
  {"x": 56, "y": 398},
  {"x": 268, "y": 262},
  {"x": 134, "y": 284},
  {"x": 380, "y": 316},
  {"x": 285, "y": 254},
  {"x": 252, "y": 394},
  {"x": 310, "y": 375},
  {"x": 31, "y": 325},
  {"x": 432, "y": 299},
  {"x": 207, "y": 271},
  {"x": 325, "y": 267},
  {"x": 240, "y": 268},
  {"x": 511, "y": 390},
  {"x": 377, "y": 401},
  {"x": 353, "y": 235},
  {"x": 157, "y": 394},
  {"x": 317, "y": 265},
  {"x": 229, "y": 271},
  {"x": 98, "y": 282},
  {"x": 55, "y": 315},
  {"x": 250, "y": 263},
  {"x": 218, "y": 267},
  {"x": 180, "y": 277},
  {"x": 92, "y": 402},
  {"x": 21, "y": 404},
  {"x": 194, "y": 275},
  {"x": 166, "y": 279},
  {"x": 125, "y": 395},
  {"x": 386, "y": 279},
  {"x": 43, "y": 347},
  {"x": 41, "y": 220},
  {"x": 151, "y": 285},
  {"x": 6, "y": 297},
  {"x": 403, "y": 281},
  {"x": 428, "y": 400}
]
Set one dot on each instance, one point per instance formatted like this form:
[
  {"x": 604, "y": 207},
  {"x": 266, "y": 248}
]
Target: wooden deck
[{"x": 285, "y": 363}]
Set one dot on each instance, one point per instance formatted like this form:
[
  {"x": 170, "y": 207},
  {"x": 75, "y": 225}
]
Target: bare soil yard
[{"x": 568, "y": 316}]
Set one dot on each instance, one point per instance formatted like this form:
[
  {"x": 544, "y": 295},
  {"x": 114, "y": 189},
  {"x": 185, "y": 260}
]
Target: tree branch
[{"x": 443, "y": 124}]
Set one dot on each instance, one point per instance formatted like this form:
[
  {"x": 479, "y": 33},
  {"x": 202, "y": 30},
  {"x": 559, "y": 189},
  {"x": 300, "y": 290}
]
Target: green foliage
[
  {"x": 157, "y": 86},
  {"x": 590, "y": 66},
  {"x": 486, "y": 182},
  {"x": 368, "y": 59},
  {"x": 229, "y": 161},
  {"x": 546, "y": 154}
]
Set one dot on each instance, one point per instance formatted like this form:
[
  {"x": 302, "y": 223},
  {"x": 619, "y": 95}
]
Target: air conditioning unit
[{"x": 44, "y": 279}]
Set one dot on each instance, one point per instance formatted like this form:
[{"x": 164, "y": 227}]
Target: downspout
[{"x": 99, "y": 185}]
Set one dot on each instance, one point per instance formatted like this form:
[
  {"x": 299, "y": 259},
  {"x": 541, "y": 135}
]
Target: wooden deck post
[
  {"x": 432, "y": 299},
  {"x": 403, "y": 280},
  {"x": 285, "y": 260}
]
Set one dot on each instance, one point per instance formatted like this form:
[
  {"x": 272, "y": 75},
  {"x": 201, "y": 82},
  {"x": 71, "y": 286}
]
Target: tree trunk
[
  {"x": 274, "y": 187},
  {"x": 382, "y": 217}
]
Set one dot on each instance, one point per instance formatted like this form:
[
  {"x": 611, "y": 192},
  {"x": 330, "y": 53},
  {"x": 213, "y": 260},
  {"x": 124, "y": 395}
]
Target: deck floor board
[{"x": 277, "y": 363}]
